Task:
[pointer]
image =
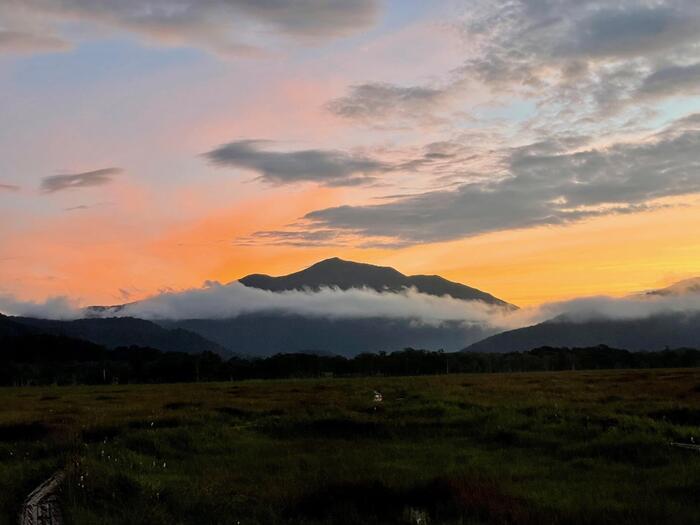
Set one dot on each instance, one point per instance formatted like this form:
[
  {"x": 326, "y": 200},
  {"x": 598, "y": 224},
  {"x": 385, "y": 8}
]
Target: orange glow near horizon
[{"x": 613, "y": 255}]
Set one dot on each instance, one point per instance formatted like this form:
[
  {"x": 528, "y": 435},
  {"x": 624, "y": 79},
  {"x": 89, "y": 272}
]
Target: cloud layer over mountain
[{"x": 217, "y": 301}]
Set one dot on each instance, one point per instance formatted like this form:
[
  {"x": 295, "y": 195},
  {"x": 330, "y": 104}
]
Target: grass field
[{"x": 567, "y": 447}]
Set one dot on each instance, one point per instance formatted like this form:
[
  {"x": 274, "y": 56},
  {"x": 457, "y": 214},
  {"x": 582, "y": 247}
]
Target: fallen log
[
  {"x": 687, "y": 446},
  {"x": 41, "y": 506}
]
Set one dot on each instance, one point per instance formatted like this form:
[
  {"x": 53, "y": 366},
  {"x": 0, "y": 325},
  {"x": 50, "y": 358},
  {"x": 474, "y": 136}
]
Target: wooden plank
[
  {"x": 41, "y": 506},
  {"x": 687, "y": 446}
]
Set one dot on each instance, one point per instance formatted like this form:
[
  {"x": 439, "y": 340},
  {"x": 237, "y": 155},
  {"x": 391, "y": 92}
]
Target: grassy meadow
[{"x": 551, "y": 447}]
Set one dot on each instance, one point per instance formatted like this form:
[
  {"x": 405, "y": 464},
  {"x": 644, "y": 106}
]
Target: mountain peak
[
  {"x": 344, "y": 263},
  {"x": 331, "y": 260}
]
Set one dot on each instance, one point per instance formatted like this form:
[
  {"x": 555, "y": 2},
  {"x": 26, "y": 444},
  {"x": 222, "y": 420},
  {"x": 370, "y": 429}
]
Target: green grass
[{"x": 567, "y": 447}]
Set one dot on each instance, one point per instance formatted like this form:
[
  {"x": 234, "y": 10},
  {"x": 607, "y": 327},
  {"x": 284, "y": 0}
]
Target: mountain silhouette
[
  {"x": 338, "y": 273},
  {"x": 672, "y": 330},
  {"x": 267, "y": 333},
  {"x": 113, "y": 332}
]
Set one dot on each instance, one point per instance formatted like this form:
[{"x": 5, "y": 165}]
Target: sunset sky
[{"x": 536, "y": 149}]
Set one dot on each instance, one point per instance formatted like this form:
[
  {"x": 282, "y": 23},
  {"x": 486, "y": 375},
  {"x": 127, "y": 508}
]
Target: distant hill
[
  {"x": 116, "y": 331},
  {"x": 269, "y": 334},
  {"x": 11, "y": 328},
  {"x": 688, "y": 286},
  {"x": 652, "y": 333},
  {"x": 345, "y": 275}
]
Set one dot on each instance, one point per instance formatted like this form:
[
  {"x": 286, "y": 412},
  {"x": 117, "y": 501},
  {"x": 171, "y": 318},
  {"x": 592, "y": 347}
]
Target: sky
[{"x": 540, "y": 150}]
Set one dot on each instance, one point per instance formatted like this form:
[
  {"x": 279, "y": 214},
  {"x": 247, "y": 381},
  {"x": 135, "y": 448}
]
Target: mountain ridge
[
  {"x": 657, "y": 332},
  {"x": 113, "y": 332},
  {"x": 345, "y": 275}
]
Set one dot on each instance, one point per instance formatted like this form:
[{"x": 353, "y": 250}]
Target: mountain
[
  {"x": 264, "y": 334},
  {"x": 271, "y": 333},
  {"x": 11, "y": 328},
  {"x": 268, "y": 333},
  {"x": 345, "y": 275},
  {"x": 651, "y": 333},
  {"x": 116, "y": 331},
  {"x": 688, "y": 286}
]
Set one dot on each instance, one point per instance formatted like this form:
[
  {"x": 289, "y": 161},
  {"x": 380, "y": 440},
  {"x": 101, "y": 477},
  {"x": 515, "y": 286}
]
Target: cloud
[
  {"x": 328, "y": 167},
  {"x": 617, "y": 309},
  {"x": 683, "y": 80},
  {"x": 223, "y": 26},
  {"x": 627, "y": 29},
  {"x": 571, "y": 51},
  {"x": 601, "y": 308},
  {"x": 217, "y": 301},
  {"x": 578, "y": 60},
  {"x": 100, "y": 177},
  {"x": 382, "y": 101},
  {"x": 294, "y": 238},
  {"x": 8, "y": 187},
  {"x": 522, "y": 38},
  {"x": 60, "y": 307},
  {"x": 81, "y": 207},
  {"x": 545, "y": 183},
  {"x": 21, "y": 42}
]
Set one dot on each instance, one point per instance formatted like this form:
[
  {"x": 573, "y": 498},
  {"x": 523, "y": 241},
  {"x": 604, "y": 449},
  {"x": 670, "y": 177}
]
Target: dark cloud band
[
  {"x": 100, "y": 177},
  {"x": 328, "y": 167}
]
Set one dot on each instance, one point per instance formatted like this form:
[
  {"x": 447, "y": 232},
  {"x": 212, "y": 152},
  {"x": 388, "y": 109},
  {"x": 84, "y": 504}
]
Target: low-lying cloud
[
  {"x": 58, "y": 307},
  {"x": 218, "y": 301},
  {"x": 616, "y": 309}
]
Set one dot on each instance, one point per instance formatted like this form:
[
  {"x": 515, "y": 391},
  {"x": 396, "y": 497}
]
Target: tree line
[{"x": 41, "y": 359}]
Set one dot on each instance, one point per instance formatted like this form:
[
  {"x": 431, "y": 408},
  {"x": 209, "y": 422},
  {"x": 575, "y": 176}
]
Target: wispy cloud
[
  {"x": 81, "y": 207},
  {"x": 55, "y": 183},
  {"x": 386, "y": 104},
  {"x": 8, "y": 187},
  {"x": 328, "y": 167},
  {"x": 23, "y": 42},
  {"x": 228, "y": 27}
]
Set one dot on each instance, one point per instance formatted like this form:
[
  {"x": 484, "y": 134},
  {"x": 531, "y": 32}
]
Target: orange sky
[{"x": 609, "y": 255}]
